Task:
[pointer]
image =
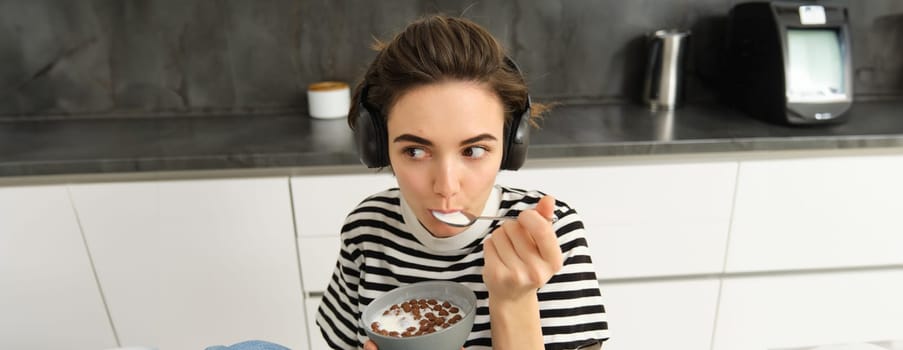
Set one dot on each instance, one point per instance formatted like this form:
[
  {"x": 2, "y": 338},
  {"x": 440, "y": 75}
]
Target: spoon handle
[
  {"x": 499, "y": 218},
  {"x": 553, "y": 219}
]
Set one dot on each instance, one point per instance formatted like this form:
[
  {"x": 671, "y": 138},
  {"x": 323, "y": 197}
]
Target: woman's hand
[{"x": 522, "y": 255}]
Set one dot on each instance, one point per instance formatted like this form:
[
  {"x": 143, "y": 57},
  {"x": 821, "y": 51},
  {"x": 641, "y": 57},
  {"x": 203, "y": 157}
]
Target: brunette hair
[{"x": 440, "y": 48}]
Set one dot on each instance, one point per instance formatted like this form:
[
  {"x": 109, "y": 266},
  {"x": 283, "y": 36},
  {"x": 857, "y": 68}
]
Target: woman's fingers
[
  {"x": 536, "y": 223},
  {"x": 543, "y": 236},
  {"x": 523, "y": 255},
  {"x": 370, "y": 345},
  {"x": 524, "y": 245},
  {"x": 507, "y": 254},
  {"x": 546, "y": 207}
]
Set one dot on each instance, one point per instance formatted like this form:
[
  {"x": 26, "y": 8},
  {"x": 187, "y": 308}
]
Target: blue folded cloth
[{"x": 250, "y": 345}]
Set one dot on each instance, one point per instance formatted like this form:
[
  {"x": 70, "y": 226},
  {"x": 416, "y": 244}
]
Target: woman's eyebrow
[
  {"x": 478, "y": 138},
  {"x": 412, "y": 138}
]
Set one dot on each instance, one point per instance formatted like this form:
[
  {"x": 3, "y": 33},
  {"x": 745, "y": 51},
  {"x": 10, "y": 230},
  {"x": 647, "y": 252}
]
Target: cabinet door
[
  {"x": 49, "y": 297},
  {"x": 318, "y": 260},
  {"x": 322, "y": 202},
  {"x": 661, "y": 315},
  {"x": 189, "y": 264},
  {"x": 645, "y": 220},
  {"x": 817, "y": 213},
  {"x": 805, "y": 311}
]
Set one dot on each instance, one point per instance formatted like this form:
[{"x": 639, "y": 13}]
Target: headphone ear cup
[
  {"x": 370, "y": 137},
  {"x": 517, "y": 139},
  {"x": 517, "y": 133}
]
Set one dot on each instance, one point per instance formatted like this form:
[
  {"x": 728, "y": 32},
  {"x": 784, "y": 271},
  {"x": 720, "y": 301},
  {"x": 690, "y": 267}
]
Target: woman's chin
[{"x": 440, "y": 230}]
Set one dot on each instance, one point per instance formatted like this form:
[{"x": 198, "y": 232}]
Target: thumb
[
  {"x": 370, "y": 345},
  {"x": 546, "y": 207}
]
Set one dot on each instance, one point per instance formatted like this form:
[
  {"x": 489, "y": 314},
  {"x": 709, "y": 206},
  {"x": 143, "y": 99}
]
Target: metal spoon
[{"x": 465, "y": 219}]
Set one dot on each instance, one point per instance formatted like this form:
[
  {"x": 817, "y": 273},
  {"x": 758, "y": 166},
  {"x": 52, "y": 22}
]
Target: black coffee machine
[{"x": 790, "y": 62}]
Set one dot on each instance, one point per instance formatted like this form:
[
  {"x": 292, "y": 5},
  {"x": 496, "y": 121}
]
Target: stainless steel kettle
[{"x": 663, "y": 87}]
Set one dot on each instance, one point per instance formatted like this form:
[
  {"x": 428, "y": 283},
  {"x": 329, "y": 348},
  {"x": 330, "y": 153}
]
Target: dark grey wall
[{"x": 124, "y": 58}]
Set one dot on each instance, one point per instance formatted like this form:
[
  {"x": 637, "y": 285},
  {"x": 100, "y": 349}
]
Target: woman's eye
[
  {"x": 474, "y": 152},
  {"x": 415, "y": 153}
]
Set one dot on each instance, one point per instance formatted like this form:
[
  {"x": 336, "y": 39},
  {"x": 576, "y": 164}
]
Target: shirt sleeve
[{"x": 572, "y": 311}]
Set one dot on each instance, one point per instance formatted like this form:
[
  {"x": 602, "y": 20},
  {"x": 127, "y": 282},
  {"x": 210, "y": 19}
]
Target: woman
[{"x": 445, "y": 109}]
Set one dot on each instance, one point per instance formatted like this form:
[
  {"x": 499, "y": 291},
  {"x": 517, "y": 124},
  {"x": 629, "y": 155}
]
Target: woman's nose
[{"x": 446, "y": 180}]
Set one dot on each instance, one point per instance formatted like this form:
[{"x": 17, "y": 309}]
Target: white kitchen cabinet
[
  {"x": 49, "y": 298},
  {"x": 321, "y": 204},
  {"x": 322, "y": 201},
  {"x": 645, "y": 220},
  {"x": 189, "y": 264},
  {"x": 818, "y": 213},
  {"x": 661, "y": 315},
  {"x": 804, "y": 311},
  {"x": 318, "y": 259}
]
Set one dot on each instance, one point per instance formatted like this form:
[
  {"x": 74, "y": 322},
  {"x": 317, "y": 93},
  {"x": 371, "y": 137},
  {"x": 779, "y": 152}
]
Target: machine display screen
[{"x": 815, "y": 71}]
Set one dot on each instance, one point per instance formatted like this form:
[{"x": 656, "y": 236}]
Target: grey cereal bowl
[{"x": 451, "y": 338}]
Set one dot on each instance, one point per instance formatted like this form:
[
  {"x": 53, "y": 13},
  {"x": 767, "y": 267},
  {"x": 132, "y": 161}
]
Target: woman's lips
[
  {"x": 445, "y": 211},
  {"x": 442, "y": 212}
]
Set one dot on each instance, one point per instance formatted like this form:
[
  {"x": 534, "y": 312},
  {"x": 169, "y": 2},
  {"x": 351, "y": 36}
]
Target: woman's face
[{"x": 445, "y": 147}]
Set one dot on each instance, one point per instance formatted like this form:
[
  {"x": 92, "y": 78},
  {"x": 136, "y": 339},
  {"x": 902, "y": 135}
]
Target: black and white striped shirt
[{"x": 384, "y": 246}]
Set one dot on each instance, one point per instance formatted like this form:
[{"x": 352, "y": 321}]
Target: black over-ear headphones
[{"x": 371, "y": 135}]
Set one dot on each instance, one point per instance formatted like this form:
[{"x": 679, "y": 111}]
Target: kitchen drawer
[
  {"x": 645, "y": 220},
  {"x": 661, "y": 315},
  {"x": 322, "y": 202},
  {"x": 318, "y": 257},
  {"x": 818, "y": 213},
  {"x": 803, "y": 311}
]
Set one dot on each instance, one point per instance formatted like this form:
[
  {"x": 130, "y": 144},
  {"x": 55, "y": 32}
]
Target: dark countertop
[{"x": 91, "y": 146}]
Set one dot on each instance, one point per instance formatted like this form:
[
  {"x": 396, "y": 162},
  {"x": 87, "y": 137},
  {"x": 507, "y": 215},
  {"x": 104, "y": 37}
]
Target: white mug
[{"x": 328, "y": 99}]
